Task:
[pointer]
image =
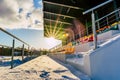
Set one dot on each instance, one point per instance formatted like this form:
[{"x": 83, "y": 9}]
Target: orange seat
[{"x": 86, "y": 39}]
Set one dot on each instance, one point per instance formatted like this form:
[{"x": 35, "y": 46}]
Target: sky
[
  {"x": 23, "y": 18},
  {"x": 21, "y": 14}
]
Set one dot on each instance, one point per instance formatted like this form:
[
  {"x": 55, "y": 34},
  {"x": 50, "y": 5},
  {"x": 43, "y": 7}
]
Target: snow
[
  {"x": 115, "y": 37},
  {"x": 76, "y": 60},
  {"x": 42, "y": 67},
  {"x": 104, "y": 61},
  {"x": 75, "y": 71}
]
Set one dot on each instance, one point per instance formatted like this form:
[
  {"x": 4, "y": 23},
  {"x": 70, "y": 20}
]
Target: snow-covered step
[{"x": 74, "y": 70}]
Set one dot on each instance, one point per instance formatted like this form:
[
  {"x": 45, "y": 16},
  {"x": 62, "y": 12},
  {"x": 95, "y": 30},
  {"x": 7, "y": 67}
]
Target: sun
[{"x": 54, "y": 31}]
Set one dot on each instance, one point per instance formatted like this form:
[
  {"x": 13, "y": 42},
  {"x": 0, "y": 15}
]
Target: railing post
[
  {"x": 31, "y": 54},
  {"x": 94, "y": 29},
  {"x": 87, "y": 30},
  {"x": 107, "y": 20},
  {"x": 22, "y": 52},
  {"x": 119, "y": 14},
  {"x": 13, "y": 45},
  {"x": 98, "y": 25},
  {"x": 2, "y": 50},
  {"x": 28, "y": 51},
  {"x": 115, "y": 7},
  {"x": 86, "y": 27}
]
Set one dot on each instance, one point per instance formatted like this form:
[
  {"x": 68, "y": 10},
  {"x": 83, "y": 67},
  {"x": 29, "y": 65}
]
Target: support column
[
  {"x": 28, "y": 51},
  {"x": 13, "y": 45},
  {"x": 22, "y": 52},
  {"x": 94, "y": 30}
]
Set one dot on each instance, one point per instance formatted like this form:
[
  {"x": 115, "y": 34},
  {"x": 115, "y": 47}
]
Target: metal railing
[
  {"x": 14, "y": 36},
  {"x": 108, "y": 19},
  {"x": 13, "y": 45}
]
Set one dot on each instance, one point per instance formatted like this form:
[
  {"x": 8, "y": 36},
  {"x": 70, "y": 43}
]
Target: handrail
[
  {"x": 107, "y": 15},
  {"x": 13, "y": 46},
  {"x": 13, "y": 36},
  {"x": 100, "y": 21},
  {"x": 96, "y": 7}
]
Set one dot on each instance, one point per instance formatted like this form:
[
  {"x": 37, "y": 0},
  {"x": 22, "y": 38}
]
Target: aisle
[{"x": 39, "y": 68}]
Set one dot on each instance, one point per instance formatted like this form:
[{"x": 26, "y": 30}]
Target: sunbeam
[{"x": 54, "y": 31}]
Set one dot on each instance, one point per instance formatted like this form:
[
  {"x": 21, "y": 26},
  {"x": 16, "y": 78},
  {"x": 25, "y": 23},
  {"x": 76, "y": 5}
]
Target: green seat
[{"x": 114, "y": 27}]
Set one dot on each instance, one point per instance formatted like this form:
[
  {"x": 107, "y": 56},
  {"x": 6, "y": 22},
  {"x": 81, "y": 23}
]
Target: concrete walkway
[{"x": 41, "y": 68}]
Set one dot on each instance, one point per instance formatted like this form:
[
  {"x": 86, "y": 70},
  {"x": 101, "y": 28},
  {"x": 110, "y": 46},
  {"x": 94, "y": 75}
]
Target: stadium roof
[{"x": 63, "y": 12}]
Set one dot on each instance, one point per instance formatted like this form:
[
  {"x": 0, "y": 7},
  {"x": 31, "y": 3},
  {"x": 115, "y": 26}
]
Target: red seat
[{"x": 91, "y": 38}]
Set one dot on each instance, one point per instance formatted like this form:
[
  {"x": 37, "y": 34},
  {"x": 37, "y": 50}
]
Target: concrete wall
[
  {"x": 105, "y": 62},
  {"x": 84, "y": 47},
  {"x": 78, "y": 65},
  {"x": 119, "y": 26},
  {"x": 59, "y": 56},
  {"x": 106, "y": 35},
  {"x": 82, "y": 64},
  {"x": 87, "y": 69}
]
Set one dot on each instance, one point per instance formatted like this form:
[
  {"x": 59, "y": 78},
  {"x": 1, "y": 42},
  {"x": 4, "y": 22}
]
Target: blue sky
[
  {"x": 36, "y": 4},
  {"x": 33, "y": 37}
]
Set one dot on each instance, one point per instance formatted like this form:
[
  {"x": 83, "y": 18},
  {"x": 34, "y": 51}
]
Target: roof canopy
[{"x": 64, "y": 11}]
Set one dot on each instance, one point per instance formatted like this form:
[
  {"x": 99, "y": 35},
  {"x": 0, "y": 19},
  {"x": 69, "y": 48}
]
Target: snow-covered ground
[{"x": 41, "y": 68}]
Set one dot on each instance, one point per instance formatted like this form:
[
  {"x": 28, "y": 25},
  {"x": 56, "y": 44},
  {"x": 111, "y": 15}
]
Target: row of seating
[
  {"x": 69, "y": 48},
  {"x": 114, "y": 26},
  {"x": 90, "y": 38}
]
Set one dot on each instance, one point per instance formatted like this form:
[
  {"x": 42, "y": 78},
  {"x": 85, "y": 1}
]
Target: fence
[{"x": 14, "y": 38}]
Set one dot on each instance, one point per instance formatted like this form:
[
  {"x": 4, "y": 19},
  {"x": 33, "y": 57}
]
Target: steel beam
[
  {"x": 58, "y": 21},
  {"x": 58, "y": 14},
  {"x": 63, "y": 5}
]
